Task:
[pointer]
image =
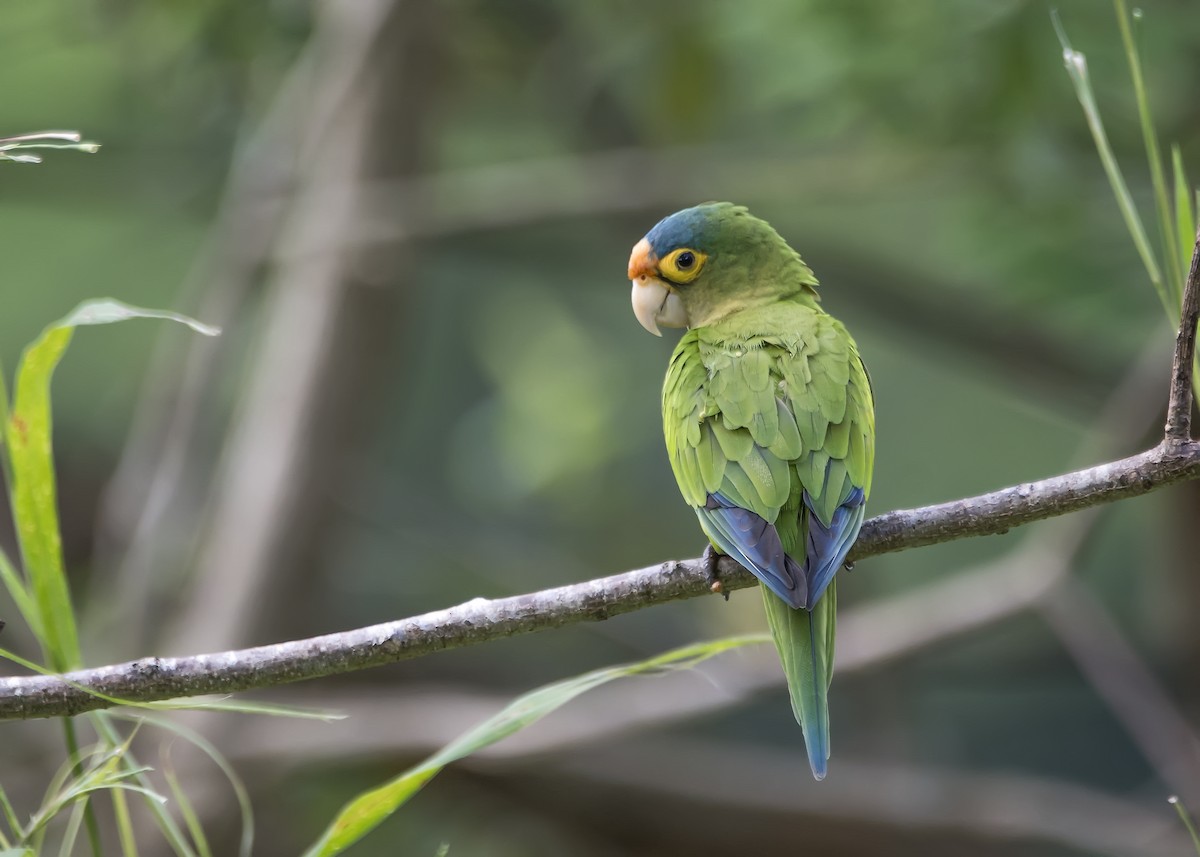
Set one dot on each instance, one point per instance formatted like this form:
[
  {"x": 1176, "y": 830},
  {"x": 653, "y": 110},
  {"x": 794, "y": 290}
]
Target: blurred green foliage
[{"x": 929, "y": 160}]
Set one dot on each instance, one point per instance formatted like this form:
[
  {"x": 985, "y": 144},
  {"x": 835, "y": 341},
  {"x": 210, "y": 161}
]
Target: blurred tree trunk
[
  {"x": 328, "y": 322},
  {"x": 320, "y": 368},
  {"x": 358, "y": 376}
]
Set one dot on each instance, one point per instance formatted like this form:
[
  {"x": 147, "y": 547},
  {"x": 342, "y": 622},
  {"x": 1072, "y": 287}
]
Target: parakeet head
[{"x": 703, "y": 263}]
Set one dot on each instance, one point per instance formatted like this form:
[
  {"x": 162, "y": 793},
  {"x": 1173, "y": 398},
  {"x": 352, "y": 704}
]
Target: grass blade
[
  {"x": 166, "y": 825},
  {"x": 1174, "y": 273},
  {"x": 234, "y": 706},
  {"x": 109, "y": 311},
  {"x": 204, "y": 745},
  {"x": 89, "y": 816},
  {"x": 74, "y": 822},
  {"x": 124, "y": 824},
  {"x": 44, "y": 140},
  {"x": 10, "y": 818},
  {"x": 27, "y": 436},
  {"x": 190, "y": 819},
  {"x": 1185, "y": 215},
  {"x": 19, "y": 594},
  {"x": 1076, "y": 65},
  {"x": 5, "y": 464},
  {"x": 1186, "y": 818},
  {"x": 101, "y": 768},
  {"x": 369, "y": 809}
]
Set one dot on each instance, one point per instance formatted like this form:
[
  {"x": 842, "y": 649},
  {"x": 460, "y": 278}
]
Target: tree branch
[
  {"x": 1000, "y": 511},
  {"x": 482, "y": 620},
  {"x": 1179, "y": 408}
]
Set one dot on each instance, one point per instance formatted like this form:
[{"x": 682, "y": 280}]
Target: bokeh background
[{"x": 413, "y": 219}]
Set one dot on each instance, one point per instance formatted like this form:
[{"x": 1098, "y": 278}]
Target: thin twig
[
  {"x": 482, "y": 620},
  {"x": 1179, "y": 409}
]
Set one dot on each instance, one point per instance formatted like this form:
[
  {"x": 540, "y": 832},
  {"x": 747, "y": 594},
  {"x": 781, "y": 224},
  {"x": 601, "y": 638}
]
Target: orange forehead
[{"x": 642, "y": 261}]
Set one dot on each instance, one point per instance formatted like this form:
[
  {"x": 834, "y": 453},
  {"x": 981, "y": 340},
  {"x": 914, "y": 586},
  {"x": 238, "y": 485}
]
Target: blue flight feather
[
  {"x": 754, "y": 542},
  {"x": 828, "y": 546}
]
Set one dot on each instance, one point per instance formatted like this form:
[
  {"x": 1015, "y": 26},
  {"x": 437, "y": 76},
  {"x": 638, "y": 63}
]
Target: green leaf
[
  {"x": 33, "y": 498},
  {"x": 370, "y": 808},
  {"x": 107, "y": 311},
  {"x": 27, "y": 436}
]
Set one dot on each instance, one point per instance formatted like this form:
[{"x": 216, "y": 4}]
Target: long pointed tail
[{"x": 805, "y": 642}]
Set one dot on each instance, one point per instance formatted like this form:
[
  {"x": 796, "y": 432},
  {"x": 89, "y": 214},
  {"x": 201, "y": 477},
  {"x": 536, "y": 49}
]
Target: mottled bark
[
  {"x": 1000, "y": 511},
  {"x": 1179, "y": 408}
]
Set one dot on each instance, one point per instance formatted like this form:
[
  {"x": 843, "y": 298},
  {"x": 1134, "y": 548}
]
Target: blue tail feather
[
  {"x": 804, "y": 639},
  {"x": 828, "y": 547}
]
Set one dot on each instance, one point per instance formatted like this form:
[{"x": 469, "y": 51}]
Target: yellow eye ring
[{"x": 683, "y": 265}]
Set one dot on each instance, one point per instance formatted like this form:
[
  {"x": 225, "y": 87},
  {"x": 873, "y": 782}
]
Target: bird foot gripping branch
[{"x": 710, "y": 558}]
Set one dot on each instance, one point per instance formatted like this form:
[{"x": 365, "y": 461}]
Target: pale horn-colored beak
[{"x": 654, "y": 302}]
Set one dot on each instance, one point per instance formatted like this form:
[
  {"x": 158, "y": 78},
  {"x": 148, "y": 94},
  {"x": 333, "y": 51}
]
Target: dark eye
[{"x": 682, "y": 266}]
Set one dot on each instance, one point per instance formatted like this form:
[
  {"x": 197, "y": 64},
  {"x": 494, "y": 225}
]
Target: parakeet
[{"x": 769, "y": 420}]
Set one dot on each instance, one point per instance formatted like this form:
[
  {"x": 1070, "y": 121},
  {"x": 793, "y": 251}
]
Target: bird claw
[{"x": 710, "y": 558}]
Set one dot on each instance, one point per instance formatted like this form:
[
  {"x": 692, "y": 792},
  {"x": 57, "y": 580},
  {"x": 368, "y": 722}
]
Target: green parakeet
[{"x": 769, "y": 421}]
